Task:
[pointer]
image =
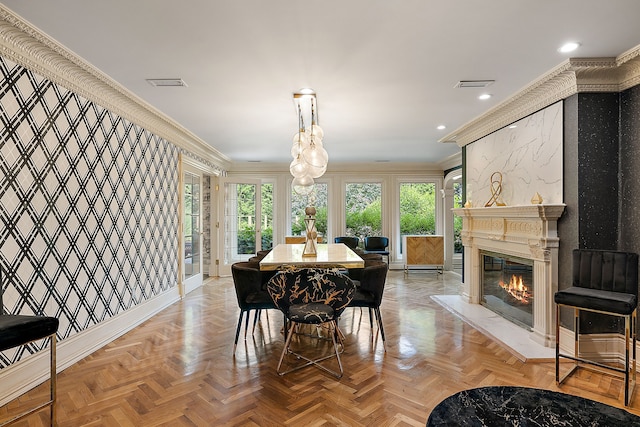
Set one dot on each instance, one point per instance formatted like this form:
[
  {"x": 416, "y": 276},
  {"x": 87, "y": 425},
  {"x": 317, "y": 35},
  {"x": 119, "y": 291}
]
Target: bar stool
[
  {"x": 17, "y": 330},
  {"x": 603, "y": 282}
]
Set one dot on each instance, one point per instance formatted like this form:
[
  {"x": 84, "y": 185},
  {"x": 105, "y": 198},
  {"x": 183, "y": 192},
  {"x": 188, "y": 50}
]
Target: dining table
[{"x": 327, "y": 255}]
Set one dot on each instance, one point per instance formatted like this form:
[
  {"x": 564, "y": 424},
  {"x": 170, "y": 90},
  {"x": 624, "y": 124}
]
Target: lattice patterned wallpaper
[{"x": 88, "y": 204}]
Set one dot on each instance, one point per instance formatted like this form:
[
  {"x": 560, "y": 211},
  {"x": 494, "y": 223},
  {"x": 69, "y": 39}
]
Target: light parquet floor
[{"x": 177, "y": 369}]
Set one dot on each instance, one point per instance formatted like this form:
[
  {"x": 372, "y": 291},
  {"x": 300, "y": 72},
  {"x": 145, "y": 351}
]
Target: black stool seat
[
  {"x": 598, "y": 300},
  {"x": 17, "y": 330}
]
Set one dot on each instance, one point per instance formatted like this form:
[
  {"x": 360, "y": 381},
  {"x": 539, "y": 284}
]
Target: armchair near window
[
  {"x": 376, "y": 245},
  {"x": 351, "y": 241}
]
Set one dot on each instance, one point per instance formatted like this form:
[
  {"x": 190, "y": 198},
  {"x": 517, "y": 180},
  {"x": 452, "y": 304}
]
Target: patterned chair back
[{"x": 297, "y": 285}]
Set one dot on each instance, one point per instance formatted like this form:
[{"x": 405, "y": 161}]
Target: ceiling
[{"x": 384, "y": 71}]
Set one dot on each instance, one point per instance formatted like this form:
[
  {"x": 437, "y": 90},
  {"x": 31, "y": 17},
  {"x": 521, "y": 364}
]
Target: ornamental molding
[
  {"x": 25, "y": 45},
  {"x": 572, "y": 76},
  {"x": 531, "y": 225}
]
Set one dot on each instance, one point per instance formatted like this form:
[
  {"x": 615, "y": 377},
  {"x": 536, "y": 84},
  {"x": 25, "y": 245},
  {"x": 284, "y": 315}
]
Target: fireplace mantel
[{"x": 527, "y": 231}]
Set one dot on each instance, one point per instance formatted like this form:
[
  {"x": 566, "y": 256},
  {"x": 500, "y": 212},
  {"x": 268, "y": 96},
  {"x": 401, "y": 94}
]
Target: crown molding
[
  {"x": 27, "y": 46},
  {"x": 572, "y": 76}
]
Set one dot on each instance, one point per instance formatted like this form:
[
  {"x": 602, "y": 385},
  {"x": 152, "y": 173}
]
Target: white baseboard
[
  {"x": 602, "y": 348},
  {"x": 34, "y": 370}
]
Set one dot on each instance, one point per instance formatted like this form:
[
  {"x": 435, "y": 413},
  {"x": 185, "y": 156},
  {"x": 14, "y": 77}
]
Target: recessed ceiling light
[
  {"x": 484, "y": 96},
  {"x": 441, "y": 127},
  {"x": 513, "y": 126},
  {"x": 569, "y": 47}
]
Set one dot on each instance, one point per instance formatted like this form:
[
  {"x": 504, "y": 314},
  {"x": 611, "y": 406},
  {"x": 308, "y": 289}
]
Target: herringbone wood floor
[{"x": 177, "y": 369}]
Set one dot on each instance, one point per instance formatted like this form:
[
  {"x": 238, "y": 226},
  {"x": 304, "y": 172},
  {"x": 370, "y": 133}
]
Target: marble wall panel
[{"x": 529, "y": 157}]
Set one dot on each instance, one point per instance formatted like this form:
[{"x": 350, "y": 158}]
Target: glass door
[
  {"x": 192, "y": 231},
  {"x": 241, "y": 232}
]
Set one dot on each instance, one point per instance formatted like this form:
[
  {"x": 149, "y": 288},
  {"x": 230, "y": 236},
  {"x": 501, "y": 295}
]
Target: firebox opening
[{"x": 507, "y": 287}]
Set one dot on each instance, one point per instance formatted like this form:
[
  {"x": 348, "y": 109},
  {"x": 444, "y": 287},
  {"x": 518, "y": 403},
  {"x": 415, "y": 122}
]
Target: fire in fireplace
[
  {"x": 507, "y": 287},
  {"x": 517, "y": 289}
]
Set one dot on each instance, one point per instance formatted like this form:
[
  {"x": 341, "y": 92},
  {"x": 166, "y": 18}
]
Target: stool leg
[
  {"x": 634, "y": 325},
  {"x": 576, "y": 337},
  {"x": 557, "y": 344},
  {"x": 53, "y": 381},
  {"x": 627, "y": 333}
]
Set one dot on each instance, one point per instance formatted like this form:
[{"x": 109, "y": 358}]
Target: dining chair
[
  {"x": 602, "y": 282},
  {"x": 368, "y": 293},
  {"x": 352, "y": 242},
  {"x": 311, "y": 296},
  {"x": 251, "y": 295},
  {"x": 376, "y": 245},
  {"x": 18, "y": 330}
]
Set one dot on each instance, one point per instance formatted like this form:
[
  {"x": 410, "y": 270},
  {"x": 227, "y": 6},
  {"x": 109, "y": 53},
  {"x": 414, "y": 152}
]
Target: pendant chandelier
[{"x": 309, "y": 156}]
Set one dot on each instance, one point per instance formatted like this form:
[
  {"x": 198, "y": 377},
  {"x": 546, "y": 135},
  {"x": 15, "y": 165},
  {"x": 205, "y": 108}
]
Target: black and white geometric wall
[{"x": 88, "y": 207}]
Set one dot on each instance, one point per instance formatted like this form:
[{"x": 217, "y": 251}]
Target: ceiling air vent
[
  {"x": 166, "y": 82},
  {"x": 474, "y": 83}
]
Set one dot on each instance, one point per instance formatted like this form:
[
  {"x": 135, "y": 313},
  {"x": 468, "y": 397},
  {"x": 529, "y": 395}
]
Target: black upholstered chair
[
  {"x": 369, "y": 259},
  {"x": 263, "y": 253},
  {"x": 251, "y": 293},
  {"x": 376, "y": 245},
  {"x": 311, "y": 296},
  {"x": 603, "y": 282},
  {"x": 369, "y": 292},
  {"x": 17, "y": 330},
  {"x": 351, "y": 241}
]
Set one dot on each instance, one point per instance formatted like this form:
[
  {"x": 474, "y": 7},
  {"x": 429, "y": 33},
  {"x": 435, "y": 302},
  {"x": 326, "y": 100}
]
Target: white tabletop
[{"x": 327, "y": 254}]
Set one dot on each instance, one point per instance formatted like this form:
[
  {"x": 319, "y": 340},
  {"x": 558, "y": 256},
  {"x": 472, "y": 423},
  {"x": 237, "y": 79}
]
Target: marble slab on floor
[{"x": 512, "y": 336}]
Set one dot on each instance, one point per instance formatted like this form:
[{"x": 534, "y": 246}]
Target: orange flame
[{"x": 517, "y": 289}]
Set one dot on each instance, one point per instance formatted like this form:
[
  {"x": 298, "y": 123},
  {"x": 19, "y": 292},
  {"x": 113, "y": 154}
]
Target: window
[
  {"x": 363, "y": 209},
  {"x": 417, "y": 209},
  {"x": 298, "y": 205},
  {"x": 246, "y": 205},
  {"x": 191, "y": 227},
  {"x": 267, "y": 216},
  {"x": 457, "y": 220}
]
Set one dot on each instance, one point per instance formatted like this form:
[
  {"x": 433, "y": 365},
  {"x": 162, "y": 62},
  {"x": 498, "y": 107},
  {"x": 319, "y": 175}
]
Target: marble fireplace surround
[{"x": 527, "y": 231}]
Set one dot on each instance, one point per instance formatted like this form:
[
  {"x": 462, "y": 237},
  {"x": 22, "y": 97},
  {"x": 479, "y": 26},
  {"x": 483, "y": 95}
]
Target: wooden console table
[{"x": 424, "y": 251}]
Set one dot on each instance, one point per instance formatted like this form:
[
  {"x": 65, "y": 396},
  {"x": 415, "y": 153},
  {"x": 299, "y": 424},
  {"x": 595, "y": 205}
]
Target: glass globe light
[
  {"x": 317, "y": 131},
  {"x": 296, "y": 150},
  {"x": 299, "y": 167},
  {"x": 315, "y": 156},
  {"x": 314, "y": 139},
  {"x": 302, "y": 185},
  {"x": 301, "y": 137},
  {"x": 316, "y": 172},
  {"x": 298, "y": 147}
]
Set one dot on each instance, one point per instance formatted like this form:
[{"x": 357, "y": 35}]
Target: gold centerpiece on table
[
  {"x": 310, "y": 244},
  {"x": 496, "y": 191}
]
